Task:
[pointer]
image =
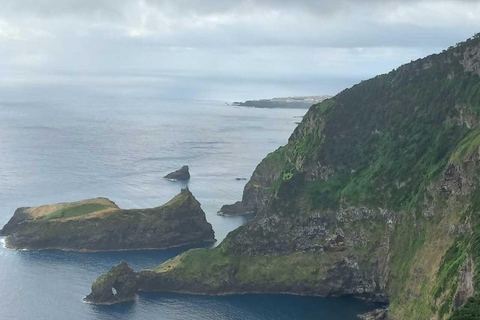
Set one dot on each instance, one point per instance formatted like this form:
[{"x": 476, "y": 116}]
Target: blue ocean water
[{"x": 71, "y": 142}]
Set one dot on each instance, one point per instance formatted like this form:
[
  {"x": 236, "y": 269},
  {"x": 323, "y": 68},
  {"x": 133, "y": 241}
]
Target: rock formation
[
  {"x": 99, "y": 225},
  {"x": 118, "y": 285},
  {"x": 181, "y": 174}
]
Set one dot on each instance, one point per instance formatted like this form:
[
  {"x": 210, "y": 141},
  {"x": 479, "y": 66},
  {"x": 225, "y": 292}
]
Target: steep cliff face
[
  {"x": 99, "y": 225},
  {"x": 376, "y": 195},
  {"x": 120, "y": 284}
]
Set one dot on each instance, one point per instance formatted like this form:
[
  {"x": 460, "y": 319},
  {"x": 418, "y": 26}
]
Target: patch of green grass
[
  {"x": 449, "y": 269},
  {"x": 178, "y": 200},
  {"x": 407, "y": 240},
  {"x": 445, "y": 307},
  {"x": 325, "y": 105},
  {"x": 325, "y": 194},
  {"x": 467, "y": 146},
  {"x": 75, "y": 211},
  {"x": 287, "y": 176}
]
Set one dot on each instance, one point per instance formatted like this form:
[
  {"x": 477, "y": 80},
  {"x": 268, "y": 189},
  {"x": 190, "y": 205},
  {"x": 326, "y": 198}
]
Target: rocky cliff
[
  {"x": 376, "y": 195},
  {"x": 99, "y": 225}
]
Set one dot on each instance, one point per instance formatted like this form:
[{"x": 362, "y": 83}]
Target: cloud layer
[{"x": 282, "y": 46}]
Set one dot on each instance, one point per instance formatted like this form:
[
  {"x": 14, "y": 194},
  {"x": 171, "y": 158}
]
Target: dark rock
[
  {"x": 238, "y": 208},
  {"x": 239, "y": 179},
  {"x": 12, "y": 225},
  {"x": 180, "y": 174},
  {"x": 120, "y": 284}
]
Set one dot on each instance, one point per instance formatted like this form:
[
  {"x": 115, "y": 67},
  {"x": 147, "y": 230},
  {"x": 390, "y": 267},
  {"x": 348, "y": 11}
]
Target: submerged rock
[
  {"x": 181, "y": 174},
  {"x": 118, "y": 285},
  {"x": 100, "y": 225}
]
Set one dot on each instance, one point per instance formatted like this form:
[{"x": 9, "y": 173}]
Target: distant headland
[{"x": 286, "y": 102}]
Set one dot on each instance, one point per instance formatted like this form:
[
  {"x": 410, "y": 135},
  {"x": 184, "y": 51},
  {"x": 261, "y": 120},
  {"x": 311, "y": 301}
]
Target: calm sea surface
[{"x": 67, "y": 143}]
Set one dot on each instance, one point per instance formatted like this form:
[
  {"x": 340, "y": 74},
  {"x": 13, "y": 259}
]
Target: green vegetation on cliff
[
  {"x": 75, "y": 211},
  {"x": 375, "y": 195}
]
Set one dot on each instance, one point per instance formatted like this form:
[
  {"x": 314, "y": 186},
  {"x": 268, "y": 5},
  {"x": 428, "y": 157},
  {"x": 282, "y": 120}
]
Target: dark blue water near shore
[{"x": 68, "y": 143}]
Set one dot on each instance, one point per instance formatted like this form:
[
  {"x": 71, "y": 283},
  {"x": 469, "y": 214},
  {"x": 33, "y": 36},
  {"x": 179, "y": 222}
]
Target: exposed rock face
[
  {"x": 181, "y": 174},
  {"x": 376, "y": 195},
  {"x": 99, "y": 225},
  {"x": 120, "y": 284}
]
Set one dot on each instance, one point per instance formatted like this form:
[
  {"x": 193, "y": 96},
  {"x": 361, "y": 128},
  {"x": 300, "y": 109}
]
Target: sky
[{"x": 223, "y": 49}]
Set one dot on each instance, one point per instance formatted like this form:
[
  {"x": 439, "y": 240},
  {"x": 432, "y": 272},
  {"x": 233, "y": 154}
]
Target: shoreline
[
  {"x": 378, "y": 304},
  {"x": 232, "y": 293},
  {"x": 5, "y": 245}
]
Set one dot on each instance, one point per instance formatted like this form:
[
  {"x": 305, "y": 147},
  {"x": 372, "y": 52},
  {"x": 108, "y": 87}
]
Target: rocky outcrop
[
  {"x": 181, "y": 174},
  {"x": 120, "y": 284},
  {"x": 99, "y": 225}
]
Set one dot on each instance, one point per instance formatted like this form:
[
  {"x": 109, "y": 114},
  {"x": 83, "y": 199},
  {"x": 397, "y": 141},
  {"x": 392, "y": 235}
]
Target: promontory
[
  {"x": 375, "y": 195},
  {"x": 100, "y": 225}
]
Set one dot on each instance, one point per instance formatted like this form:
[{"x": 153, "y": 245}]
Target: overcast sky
[{"x": 225, "y": 49}]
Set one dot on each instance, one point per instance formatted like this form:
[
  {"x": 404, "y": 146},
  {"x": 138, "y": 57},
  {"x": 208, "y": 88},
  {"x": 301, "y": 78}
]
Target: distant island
[
  {"x": 100, "y": 225},
  {"x": 287, "y": 102}
]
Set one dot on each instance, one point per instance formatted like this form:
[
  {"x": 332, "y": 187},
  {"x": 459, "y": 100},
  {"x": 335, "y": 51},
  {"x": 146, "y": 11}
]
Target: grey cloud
[{"x": 284, "y": 45}]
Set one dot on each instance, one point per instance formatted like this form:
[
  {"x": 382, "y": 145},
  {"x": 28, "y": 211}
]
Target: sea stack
[
  {"x": 181, "y": 174},
  {"x": 100, "y": 225},
  {"x": 118, "y": 285}
]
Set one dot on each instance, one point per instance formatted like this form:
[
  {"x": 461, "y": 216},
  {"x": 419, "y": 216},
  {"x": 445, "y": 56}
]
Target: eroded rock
[{"x": 120, "y": 284}]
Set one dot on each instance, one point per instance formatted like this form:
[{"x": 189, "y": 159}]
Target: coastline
[{"x": 5, "y": 245}]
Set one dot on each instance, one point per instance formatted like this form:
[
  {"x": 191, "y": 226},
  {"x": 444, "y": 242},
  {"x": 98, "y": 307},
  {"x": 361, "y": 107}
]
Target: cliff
[
  {"x": 99, "y": 225},
  {"x": 376, "y": 195}
]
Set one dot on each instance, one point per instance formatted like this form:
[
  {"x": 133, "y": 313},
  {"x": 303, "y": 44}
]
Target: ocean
[{"x": 67, "y": 142}]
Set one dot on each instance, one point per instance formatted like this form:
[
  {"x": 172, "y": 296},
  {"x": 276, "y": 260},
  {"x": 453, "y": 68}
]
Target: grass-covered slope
[{"x": 374, "y": 195}]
